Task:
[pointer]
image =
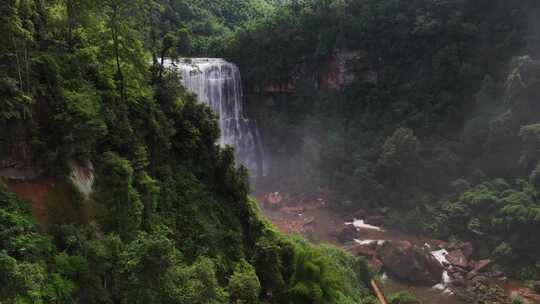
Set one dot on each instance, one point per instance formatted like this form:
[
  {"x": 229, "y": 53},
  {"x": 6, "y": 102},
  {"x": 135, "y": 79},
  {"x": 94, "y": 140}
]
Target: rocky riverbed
[{"x": 435, "y": 271}]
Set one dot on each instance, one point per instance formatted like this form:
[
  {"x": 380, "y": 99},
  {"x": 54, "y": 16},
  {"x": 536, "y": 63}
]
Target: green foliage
[
  {"x": 121, "y": 200},
  {"x": 31, "y": 269},
  {"x": 14, "y": 104},
  {"x": 517, "y": 300},
  {"x": 318, "y": 277},
  {"x": 202, "y": 285},
  {"x": 427, "y": 122},
  {"x": 399, "y": 161},
  {"x": 503, "y": 252},
  {"x": 268, "y": 260},
  {"x": 403, "y": 297},
  {"x": 400, "y": 150},
  {"x": 205, "y": 24},
  {"x": 496, "y": 214},
  {"x": 534, "y": 178},
  {"x": 244, "y": 286},
  {"x": 82, "y": 82},
  {"x": 310, "y": 283},
  {"x": 530, "y": 135},
  {"x": 415, "y": 67}
]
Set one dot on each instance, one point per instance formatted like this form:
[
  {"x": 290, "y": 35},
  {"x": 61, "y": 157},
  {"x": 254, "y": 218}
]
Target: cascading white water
[{"x": 218, "y": 83}]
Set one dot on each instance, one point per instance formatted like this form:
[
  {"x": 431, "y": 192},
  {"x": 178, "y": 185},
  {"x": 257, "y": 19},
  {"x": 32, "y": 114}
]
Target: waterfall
[{"x": 218, "y": 83}]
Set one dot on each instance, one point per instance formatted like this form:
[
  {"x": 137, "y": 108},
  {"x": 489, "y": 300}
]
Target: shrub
[{"x": 244, "y": 286}]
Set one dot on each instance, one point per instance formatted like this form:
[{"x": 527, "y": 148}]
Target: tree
[
  {"x": 128, "y": 28},
  {"x": 530, "y": 136},
  {"x": 121, "y": 205},
  {"x": 534, "y": 178},
  {"x": 400, "y": 150},
  {"x": 27, "y": 271},
  {"x": 244, "y": 286},
  {"x": 314, "y": 279},
  {"x": 15, "y": 107},
  {"x": 16, "y": 25},
  {"x": 399, "y": 161}
]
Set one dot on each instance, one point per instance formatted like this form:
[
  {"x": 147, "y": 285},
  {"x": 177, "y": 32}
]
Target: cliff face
[
  {"x": 56, "y": 200},
  {"x": 336, "y": 72},
  {"x": 18, "y": 162}
]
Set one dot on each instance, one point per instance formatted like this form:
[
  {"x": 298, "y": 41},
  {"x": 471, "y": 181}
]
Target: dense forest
[
  {"x": 435, "y": 122},
  {"x": 424, "y": 110},
  {"x": 168, "y": 219}
]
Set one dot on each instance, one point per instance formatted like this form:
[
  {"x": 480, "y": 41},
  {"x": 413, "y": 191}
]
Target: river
[{"x": 319, "y": 224}]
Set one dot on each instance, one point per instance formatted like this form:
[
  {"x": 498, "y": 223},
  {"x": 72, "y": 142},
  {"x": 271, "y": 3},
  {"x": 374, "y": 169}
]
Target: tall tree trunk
[
  {"x": 153, "y": 38},
  {"x": 114, "y": 31},
  {"x": 160, "y": 75},
  {"x": 17, "y": 61},
  {"x": 27, "y": 68},
  {"x": 70, "y": 13}
]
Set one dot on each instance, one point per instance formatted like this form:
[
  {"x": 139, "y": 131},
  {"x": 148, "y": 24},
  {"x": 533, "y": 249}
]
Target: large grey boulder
[{"x": 410, "y": 263}]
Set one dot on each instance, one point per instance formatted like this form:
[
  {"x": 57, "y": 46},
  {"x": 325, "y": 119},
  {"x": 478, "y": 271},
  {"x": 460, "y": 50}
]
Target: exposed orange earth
[
  {"x": 53, "y": 201},
  {"x": 34, "y": 192}
]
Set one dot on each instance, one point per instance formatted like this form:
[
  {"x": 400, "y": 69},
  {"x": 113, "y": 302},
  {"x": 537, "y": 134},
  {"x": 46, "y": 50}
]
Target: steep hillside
[{"x": 136, "y": 201}]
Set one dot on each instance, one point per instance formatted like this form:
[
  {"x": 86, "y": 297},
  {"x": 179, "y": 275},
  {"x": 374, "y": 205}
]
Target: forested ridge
[
  {"x": 166, "y": 217},
  {"x": 424, "y": 111},
  {"x": 434, "y": 122}
]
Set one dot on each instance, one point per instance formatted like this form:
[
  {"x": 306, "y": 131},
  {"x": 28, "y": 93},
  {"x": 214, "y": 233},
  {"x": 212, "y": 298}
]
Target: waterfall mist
[{"x": 218, "y": 83}]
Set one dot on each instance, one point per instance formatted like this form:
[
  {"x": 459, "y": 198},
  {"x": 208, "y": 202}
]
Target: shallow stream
[{"x": 321, "y": 227}]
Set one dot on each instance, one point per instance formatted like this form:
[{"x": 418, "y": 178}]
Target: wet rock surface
[
  {"x": 366, "y": 250},
  {"x": 410, "y": 263},
  {"x": 347, "y": 234},
  {"x": 482, "y": 265},
  {"x": 466, "y": 248},
  {"x": 375, "y": 220},
  {"x": 466, "y": 279},
  {"x": 458, "y": 259},
  {"x": 473, "y": 281}
]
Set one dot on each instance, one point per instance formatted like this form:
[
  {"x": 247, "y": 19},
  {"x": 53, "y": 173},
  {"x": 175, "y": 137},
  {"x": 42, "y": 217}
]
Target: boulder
[
  {"x": 376, "y": 264},
  {"x": 467, "y": 249},
  {"x": 482, "y": 265},
  {"x": 479, "y": 280},
  {"x": 457, "y": 258},
  {"x": 348, "y": 218},
  {"x": 458, "y": 280},
  {"x": 347, "y": 234},
  {"x": 453, "y": 269},
  {"x": 365, "y": 250},
  {"x": 360, "y": 214},
  {"x": 375, "y": 220},
  {"x": 494, "y": 274},
  {"x": 471, "y": 275},
  {"x": 410, "y": 263}
]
